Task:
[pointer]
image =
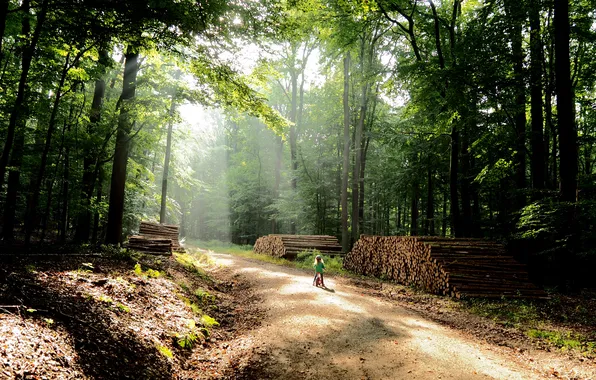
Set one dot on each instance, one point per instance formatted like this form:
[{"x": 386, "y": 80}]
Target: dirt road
[{"x": 338, "y": 333}]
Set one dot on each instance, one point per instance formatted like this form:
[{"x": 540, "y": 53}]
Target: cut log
[
  {"x": 454, "y": 267},
  {"x": 289, "y": 246}
]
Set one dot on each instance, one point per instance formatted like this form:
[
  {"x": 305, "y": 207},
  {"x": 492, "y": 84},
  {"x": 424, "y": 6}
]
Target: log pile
[
  {"x": 155, "y": 246},
  {"x": 155, "y": 238},
  {"x": 288, "y": 246},
  {"x": 454, "y": 267},
  {"x": 162, "y": 231}
]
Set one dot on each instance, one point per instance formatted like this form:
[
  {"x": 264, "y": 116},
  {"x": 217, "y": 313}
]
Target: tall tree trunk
[
  {"x": 16, "y": 157},
  {"x": 13, "y": 186},
  {"x": 36, "y": 181},
  {"x": 548, "y": 102},
  {"x": 429, "y": 228},
  {"x": 444, "y": 221},
  {"x": 516, "y": 12},
  {"x": 414, "y": 210},
  {"x": 3, "y": 15},
  {"x": 361, "y": 192},
  {"x": 99, "y": 195},
  {"x": 356, "y": 171},
  {"x": 466, "y": 205},
  {"x": 84, "y": 220},
  {"x": 66, "y": 177},
  {"x": 166, "y": 164},
  {"x": 538, "y": 157},
  {"x": 293, "y": 137},
  {"x": 118, "y": 181},
  {"x": 278, "y": 161},
  {"x": 19, "y": 107},
  {"x": 345, "y": 235},
  {"x": 453, "y": 183},
  {"x": 65, "y": 195},
  {"x": 567, "y": 131}
]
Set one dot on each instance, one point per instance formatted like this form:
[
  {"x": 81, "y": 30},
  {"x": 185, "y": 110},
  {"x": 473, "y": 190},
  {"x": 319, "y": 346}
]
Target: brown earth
[{"x": 352, "y": 331}]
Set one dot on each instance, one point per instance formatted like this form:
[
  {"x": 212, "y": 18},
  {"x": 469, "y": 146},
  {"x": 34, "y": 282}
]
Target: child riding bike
[{"x": 319, "y": 266}]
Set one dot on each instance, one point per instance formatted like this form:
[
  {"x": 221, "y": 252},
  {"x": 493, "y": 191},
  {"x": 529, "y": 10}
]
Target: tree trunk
[
  {"x": 466, "y": 201},
  {"x": 453, "y": 183},
  {"x": 345, "y": 240},
  {"x": 357, "y": 167},
  {"x": 516, "y": 12},
  {"x": 3, "y": 15},
  {"x": 566, "y": 123},
  {"x": 429, "y": 228},
  {"x": 361, "y": 192},
  {"x": 99, "y": 195},
  {"x": 84, "y": 220},
  {"x": 36, "y": 181},
  {"x": 65, "y": 195},
  {"x": 118, "y": 181},
  {"x": 13, "y": 186},
  {"x": 166, "y": 164},
  {"x": 538, "y": 157},
  {"x": 414, "y": 210},
  {"x": 19, "y": 107},
  {"x": 444, "y": 221},
  {"x": 293, "y": 137},
  {"x": 278, "y": 161}
]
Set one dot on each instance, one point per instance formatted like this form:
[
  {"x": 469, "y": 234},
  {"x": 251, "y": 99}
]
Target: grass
[
  {"x": 565, "y": 340},
  {"x": 150, "y": 273},
  {"x": 511, "y": 313},
  {"x": 194, "y": 262},
  {"x": 539, "y": 320}
]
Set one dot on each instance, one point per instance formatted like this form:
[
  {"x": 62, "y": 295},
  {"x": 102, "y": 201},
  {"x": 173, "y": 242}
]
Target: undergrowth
[
  {"x": 333, "y": 265},
  {"x": 304, "y": 260},
  {"x": 551, "y": 321}
]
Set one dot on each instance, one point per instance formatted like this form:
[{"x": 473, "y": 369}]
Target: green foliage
[
  {"x": 204, "y": 296},
  {"x": 123, "y": 308},
  {"x": 333, "y": 265},
  {"x": 565, "y": 340},
  {"x": 106, "y": 299},
  {"x": 194, "y": 263},
  {"x": 507, "y": 312},
  {"x": 188, "y": 339},
  {"x": 208, "y": 321},
  {"x": 149, "y": 273},
  {"x": 165, "y": 351}
]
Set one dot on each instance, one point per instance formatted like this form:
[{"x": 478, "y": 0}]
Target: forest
[{"x": 237, "y": 119}]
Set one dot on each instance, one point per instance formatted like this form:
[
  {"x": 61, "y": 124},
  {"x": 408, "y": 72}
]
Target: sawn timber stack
[
  {"x": 155, "y": 246},
  {"x": 454, "y": 267},
  {"x": 288, "y": 246},
  {"x": 154, "y": 238},
  {"x": 162, "y": 231}
]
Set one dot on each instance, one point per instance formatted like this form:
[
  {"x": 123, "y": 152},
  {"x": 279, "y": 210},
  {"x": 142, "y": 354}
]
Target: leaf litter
[{"x": 99, "y": 318}]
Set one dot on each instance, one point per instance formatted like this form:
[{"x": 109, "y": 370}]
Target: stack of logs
[
  {"x": 288, "y": 246},
  {"x": 155, "y": 246},
  {"x": 454, "y": 267},
  {"x": 156, "y": 238}
]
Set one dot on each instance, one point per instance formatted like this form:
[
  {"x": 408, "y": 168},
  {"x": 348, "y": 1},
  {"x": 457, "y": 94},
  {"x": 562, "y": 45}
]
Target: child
[{"x": 319, "y": 266}]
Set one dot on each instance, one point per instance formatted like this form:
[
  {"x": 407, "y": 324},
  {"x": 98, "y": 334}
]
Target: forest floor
[{"x": 105, "y": 318}]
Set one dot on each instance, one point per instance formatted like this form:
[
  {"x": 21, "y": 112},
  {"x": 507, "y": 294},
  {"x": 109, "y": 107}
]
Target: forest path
[{"x": 309, "y": 332}]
